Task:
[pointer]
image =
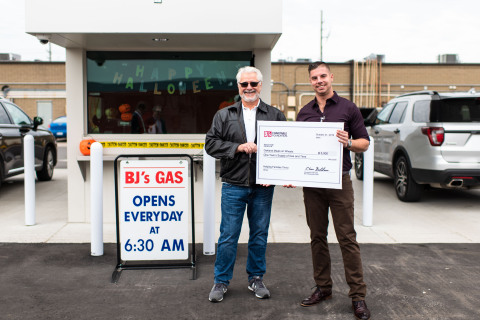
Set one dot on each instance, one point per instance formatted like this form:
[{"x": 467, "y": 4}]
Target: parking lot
[{"x": 420, "y": 261}]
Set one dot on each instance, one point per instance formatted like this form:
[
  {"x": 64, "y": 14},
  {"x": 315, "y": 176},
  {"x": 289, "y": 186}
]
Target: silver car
[{"x": 427, "y": 138}]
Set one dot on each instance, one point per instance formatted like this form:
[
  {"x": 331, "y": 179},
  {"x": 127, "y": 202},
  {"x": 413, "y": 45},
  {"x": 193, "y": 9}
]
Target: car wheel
[
  {"x": 407, "y": 190},
  {"x": 359, "y": 166},
  {"x": 46, "y": 173}
]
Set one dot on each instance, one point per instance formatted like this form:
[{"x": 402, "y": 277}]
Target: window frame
[
  {"x": 12, "y": 116},
  {"x": 400, "y": 104},
  {"x": 200, "y": 120}
]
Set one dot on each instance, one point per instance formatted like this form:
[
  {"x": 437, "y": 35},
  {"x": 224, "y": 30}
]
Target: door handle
[
  {"x": 24, "y": 129},
  {"x": 396, "y": 131}
]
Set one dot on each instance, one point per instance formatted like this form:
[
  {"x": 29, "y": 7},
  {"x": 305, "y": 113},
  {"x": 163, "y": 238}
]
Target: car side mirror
[
  {"x": 37, "y": 121},
  {"x": 370, "y": 119}
]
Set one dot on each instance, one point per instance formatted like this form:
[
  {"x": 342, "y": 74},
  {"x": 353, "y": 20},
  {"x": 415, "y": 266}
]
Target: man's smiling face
[
  {"x": 249, "y": 93},
  {"x": 321, "y": 80}
]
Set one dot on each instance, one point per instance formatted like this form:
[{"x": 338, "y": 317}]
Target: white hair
[{"x": 249, "y": 69}]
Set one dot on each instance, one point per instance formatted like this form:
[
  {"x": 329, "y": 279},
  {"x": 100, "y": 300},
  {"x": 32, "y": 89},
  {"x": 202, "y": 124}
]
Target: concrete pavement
[{"x": 442, "y": 216}]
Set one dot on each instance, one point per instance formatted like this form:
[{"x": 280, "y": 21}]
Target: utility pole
[{"x": 321, "y": 35}]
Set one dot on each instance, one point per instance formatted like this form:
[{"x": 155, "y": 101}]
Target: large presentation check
[{"x": 299, "y": 153}]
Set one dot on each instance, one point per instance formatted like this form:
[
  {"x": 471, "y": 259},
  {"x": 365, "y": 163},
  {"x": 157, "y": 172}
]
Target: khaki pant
[{"x": 317, "y": 201}]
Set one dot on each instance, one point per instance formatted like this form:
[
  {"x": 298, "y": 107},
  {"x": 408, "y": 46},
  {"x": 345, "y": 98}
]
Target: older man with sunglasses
[{"x": 232, "y": 139}]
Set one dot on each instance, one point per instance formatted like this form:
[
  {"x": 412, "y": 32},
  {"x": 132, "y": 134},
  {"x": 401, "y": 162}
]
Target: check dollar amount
[
  {"x": 270, "y": 151},
  {"x": 299, "y": 153}
]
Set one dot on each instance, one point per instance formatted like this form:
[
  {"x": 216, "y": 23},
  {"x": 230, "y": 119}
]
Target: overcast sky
[{"x": 403, "y": 31}]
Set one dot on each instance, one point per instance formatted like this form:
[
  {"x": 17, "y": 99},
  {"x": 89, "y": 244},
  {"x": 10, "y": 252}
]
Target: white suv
[{"x": 427, "y": 138}]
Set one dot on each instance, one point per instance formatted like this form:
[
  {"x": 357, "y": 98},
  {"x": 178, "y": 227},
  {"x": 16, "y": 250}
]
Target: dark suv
[
  {"x": 427, "y": 138},
  {"x": 14, "y": 125}
]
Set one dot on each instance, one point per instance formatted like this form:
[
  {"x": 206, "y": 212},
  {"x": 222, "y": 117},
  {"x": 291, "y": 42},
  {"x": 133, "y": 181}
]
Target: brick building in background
[
  {"x": 35, "y": 85},
  {"x": 370, "y": 84}
]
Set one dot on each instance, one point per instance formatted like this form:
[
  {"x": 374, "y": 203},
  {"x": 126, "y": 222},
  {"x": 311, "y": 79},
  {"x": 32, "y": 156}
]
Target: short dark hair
[{"x": 315, "y": 65}]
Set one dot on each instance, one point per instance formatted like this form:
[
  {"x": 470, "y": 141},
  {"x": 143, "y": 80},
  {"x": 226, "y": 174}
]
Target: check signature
[{"x": 314, "y": 171}]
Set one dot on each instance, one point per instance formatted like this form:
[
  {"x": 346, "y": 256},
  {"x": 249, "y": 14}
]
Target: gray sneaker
[
  {"x": 217, "y": 292},
  {"x": 256, "y": 285}
]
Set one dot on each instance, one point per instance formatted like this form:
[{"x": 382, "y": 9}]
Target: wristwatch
[{"x": 349, "y": 144}]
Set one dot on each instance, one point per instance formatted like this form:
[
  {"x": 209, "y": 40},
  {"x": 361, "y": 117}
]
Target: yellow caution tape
[{"x": 148, "y": 144}]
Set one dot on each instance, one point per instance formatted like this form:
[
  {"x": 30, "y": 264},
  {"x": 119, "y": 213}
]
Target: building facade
[
  {"x": 32, "y": 82},
  {"x": 179, "y": 57},
  {"x": 38, "y": 87},
  {"x": 370, "y": 84}
]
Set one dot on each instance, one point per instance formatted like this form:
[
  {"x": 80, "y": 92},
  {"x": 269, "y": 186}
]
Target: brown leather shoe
[
  {"x": 317, "y": 296},
  {"x": 360, "y": 309}
]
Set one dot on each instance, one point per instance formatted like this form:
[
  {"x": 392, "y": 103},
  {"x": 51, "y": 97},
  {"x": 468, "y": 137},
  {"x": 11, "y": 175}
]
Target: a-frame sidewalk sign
[{"x": 154, "y": 200}]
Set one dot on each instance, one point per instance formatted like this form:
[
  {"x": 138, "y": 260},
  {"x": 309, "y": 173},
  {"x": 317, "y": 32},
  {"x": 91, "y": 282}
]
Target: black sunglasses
[{"x": 245, "y": 84}]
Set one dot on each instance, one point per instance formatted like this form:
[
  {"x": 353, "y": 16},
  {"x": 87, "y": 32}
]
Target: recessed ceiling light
[{"x": 160, "y": 39}]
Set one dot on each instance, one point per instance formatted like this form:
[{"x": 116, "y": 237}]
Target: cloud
[{"x": 407, "y": 31}]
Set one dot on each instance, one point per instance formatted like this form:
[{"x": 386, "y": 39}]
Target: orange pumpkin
[
  {"x": 225, "y": 104},
  {"x": 126, "y": 116},
  {"x": 85, "y": 146},
  {"x": 124, "y": 108}
]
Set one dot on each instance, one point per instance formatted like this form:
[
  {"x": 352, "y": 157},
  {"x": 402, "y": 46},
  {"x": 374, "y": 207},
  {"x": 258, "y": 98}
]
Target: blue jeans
[{"x": 258, "y": 201}]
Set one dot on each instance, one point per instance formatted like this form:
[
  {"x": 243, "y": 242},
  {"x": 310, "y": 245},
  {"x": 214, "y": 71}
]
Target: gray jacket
[{"x": 227, "y": 133}]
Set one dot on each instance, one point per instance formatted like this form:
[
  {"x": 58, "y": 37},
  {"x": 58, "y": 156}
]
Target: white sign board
[
  {"x": 304, "y": 154},
  {"x": 154, "y": 209}
]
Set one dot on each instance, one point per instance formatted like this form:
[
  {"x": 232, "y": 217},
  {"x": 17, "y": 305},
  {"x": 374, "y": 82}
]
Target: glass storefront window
[{"x": 160, "y": 92}]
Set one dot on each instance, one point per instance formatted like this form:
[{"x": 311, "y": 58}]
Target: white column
[
  {"x": 264, "y": 63},
  {"x": 208, "y": 204},
  {"x": 75, "y": 72},
  {"x": 368, "y": 185},
  {"x": 29, "y": 172},
  {"x": 96, "y": 198}
]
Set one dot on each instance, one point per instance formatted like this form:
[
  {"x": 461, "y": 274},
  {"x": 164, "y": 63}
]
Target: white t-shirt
[{"x": 249, "y": 117}]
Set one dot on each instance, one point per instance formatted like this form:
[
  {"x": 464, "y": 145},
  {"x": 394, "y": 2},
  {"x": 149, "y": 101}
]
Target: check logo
[{"x": 267, "y": 134}]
